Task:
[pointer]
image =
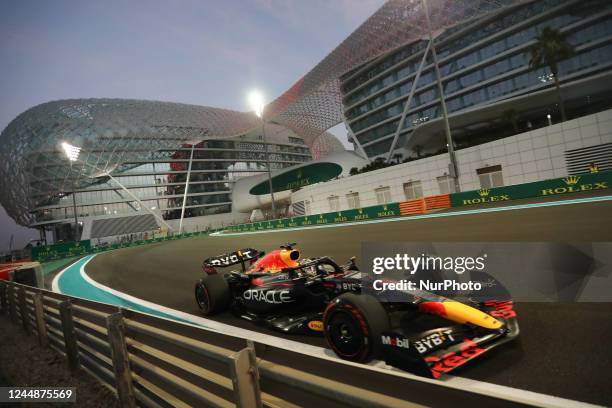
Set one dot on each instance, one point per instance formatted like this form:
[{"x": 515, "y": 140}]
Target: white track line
[
  {"x": 203, "y": 322},
  {"x": 55, "y": 283}
]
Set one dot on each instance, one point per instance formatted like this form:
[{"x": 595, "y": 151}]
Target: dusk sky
[{"x": 204, "y": 52}]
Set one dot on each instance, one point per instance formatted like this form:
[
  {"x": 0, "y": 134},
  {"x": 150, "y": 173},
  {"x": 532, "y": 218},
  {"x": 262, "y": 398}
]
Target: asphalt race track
[{"x": 564, "y": 348}]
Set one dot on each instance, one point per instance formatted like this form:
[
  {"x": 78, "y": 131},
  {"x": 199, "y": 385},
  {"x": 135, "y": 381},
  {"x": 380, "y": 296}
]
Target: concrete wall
[{"x": 526, "y": 157}]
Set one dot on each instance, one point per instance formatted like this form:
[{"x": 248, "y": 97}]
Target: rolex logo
[
  {"x": 571, "y": 180},
  {"x": 484, "y": 192}
]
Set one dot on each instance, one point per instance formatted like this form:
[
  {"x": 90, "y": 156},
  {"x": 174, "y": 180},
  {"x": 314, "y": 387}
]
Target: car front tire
[{"x": 353, "y": 326}]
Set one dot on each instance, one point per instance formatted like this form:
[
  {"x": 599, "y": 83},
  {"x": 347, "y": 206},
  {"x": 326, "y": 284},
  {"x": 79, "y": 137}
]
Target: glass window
[
  {"x": 413, "y": 189},
  {"x": 446, "y": 184},
  {"x": 490, "y": 176},
  {"x": 378, "y": 148},
  {"x": 388, "y": 80},
  {"x": 404, "y": 72},
  {"x": 352, "y": 200},
  {"x": 383, "y": 195},
  {"x": 334, "y": 203}
]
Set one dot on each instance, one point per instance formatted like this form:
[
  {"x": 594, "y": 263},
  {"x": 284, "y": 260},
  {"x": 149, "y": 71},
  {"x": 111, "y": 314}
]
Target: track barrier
[
  {"x": 437, "y": 202},
  {"x": 412, "y": 207},
  {"x": 85, "y": 247},
  {"x": 155, "y": 362},
  {"x": 547, "y": 188},
  {"x": 560, "y": 186}
]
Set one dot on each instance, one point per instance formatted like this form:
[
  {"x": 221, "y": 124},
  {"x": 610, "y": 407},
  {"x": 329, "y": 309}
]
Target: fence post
[
  {"x": 3, "y": 304},
  {"x": 39, "y": 315},
  {"x": 121, "y": 363},
  {"x": 245, "y": 377},
  {"x": 11, "y": 302},
  {"x": 23, "y": 308},
  {"x": 70, "y": 342}
]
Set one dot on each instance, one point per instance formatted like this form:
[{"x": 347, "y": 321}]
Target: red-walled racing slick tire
[
  {"x": 353, "y": 326},
  {"x": 213, "y": 294}
]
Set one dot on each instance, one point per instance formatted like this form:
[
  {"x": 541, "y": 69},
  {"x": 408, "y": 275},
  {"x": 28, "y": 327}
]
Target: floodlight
[{"x": 71, "y": 151}]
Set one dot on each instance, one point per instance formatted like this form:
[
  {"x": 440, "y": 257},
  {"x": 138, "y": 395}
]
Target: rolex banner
[
  {"x": 358, "y": 214},
  {"x": 566, "y": 185},
  {"x": 61, "y": 251}
]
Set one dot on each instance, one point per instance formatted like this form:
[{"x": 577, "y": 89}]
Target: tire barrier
[
  {"x": 155, "y": 362},
  {"x": 437, "y": 202},
  {"x": 412, "y": 207}
]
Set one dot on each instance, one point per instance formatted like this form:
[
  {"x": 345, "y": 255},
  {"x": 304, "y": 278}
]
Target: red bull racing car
[{"x": 424, "y": 333}]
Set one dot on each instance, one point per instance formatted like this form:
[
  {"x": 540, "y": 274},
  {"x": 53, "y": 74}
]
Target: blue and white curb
[{"x": 74, "y": 281}]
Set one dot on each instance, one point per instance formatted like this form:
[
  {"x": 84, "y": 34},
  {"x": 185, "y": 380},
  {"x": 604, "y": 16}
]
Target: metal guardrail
[{"x": 155, "y": 362}]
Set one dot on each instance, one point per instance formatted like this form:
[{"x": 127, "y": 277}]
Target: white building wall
[
  {"x": 526, "y": 157},
  {"x": 194, "y": 224}
]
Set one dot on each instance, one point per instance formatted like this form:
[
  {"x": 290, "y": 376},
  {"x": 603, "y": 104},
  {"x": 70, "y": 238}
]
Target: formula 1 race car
[{"x": 425, "y": 333}]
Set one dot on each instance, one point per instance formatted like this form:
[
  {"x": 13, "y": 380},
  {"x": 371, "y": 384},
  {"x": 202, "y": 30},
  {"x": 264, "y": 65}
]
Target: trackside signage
[
  {"x": 566, "y": 185},
  {"x": 360, "y": 214},
  {"x": 60, "y": 251},
  {"x": 300, "y": 177},
  {"x": 71, "y": 249}
]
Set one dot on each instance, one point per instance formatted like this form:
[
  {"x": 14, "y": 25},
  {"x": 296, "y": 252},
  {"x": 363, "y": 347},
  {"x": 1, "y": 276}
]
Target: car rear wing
[{"x": 233, "y": 258}]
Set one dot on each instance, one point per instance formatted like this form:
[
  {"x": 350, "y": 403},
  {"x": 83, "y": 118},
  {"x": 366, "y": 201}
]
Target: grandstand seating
[{"x": 124, "y": 225}]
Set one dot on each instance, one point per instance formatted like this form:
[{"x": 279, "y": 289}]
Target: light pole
[
  {"x": 453, "y": 168},
  {"x": 256, "y": 101},
  {"x": 72, "y": 153}
]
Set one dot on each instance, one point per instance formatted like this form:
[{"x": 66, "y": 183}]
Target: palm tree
[{"x": 550, "y": 49}]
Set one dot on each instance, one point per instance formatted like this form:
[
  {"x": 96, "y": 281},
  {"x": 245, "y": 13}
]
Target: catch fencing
[{"x": 154, "y": 362}]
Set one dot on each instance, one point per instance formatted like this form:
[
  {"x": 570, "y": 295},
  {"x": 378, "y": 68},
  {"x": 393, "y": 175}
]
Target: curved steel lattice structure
[
  {"x": 112, "y": 134},
  {"x": 314, "y": 103}
]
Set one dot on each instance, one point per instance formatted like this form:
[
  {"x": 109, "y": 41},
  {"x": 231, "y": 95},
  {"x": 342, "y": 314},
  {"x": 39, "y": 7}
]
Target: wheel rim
[
  {"x": 345, "y": 334},
  {"x": 202, "y": 297}
]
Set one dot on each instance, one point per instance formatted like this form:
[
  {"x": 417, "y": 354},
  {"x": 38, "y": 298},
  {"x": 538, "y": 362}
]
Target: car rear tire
[
  {"x": 353, "y": 326},
  {"x": 212, "y": 294}
]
